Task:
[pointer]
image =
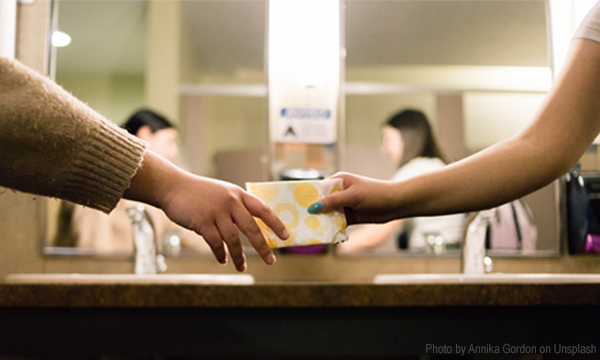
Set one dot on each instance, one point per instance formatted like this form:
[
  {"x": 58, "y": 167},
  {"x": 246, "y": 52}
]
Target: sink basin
[
  {"x": 494, "y": 278},
  {"x": 193, "y": 279}
]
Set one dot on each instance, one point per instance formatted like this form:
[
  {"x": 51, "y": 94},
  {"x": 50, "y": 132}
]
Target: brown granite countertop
[{"x": 295, "y": 295}]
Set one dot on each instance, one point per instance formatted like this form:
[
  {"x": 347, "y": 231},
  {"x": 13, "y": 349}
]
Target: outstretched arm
[
  {"x": 560, "y": 132},
  {"x": 52, "y": 144}
]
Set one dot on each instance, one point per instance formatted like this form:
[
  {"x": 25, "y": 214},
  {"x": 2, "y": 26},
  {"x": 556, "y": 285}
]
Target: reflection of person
[
  {"x": 54, "y": 145},
  {"x": 93, "y": 229},
  {"x": 560, "y": 132},
  {"x": 409, "y": 143},
  {"x": 156, "y": 130}
]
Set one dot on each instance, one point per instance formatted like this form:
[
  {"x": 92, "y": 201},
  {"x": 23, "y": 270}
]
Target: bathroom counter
[
  {"x": 296, "y": 295},
  {"x": 297, "y": 319}
]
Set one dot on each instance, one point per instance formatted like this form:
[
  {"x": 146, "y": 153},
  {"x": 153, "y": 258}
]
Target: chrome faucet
[
  {"x": 147, "y": 258},
  {"x": 474, "y": 259}
]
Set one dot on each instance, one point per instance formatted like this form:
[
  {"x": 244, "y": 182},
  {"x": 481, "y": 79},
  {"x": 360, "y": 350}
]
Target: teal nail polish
[{"x": 315, "y": 208}]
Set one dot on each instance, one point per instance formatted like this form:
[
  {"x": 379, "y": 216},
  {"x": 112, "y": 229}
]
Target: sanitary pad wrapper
[{"x": 290, "y": 200}]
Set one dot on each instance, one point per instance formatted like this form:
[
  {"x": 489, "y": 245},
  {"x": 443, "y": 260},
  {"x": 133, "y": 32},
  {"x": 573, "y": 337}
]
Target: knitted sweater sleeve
[{"x": 54, "y": 145}]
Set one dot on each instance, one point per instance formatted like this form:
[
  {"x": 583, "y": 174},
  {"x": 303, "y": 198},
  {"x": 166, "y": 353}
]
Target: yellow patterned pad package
[{"x": 290, "y": 200}]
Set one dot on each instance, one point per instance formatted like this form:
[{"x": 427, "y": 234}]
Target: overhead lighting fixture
[
  {"x": 60, "y": 39},
  {"x": 304, "y": 66},
  {"x": 304, "y": 35}
]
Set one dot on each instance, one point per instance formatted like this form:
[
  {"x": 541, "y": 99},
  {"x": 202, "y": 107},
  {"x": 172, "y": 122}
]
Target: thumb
[
  {"x": 336, "y": 200},
  {"x": 329, "y": 203}
]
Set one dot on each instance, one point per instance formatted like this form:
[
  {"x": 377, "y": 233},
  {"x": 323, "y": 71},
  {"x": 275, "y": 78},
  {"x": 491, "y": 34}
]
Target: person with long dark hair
[{"x": 409, "y": 143}]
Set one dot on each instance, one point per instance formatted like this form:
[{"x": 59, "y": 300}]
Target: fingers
[
  {"x": 239, "y": 215},
  {"x": 247, "y": 225},
  {"x": 250, "y": 228},
  {"x": 347, "y": 177},
  {"x": 262, "y": 211},
  {"x": 212, "y": 236},
  {"x": 230, "y": 236}
]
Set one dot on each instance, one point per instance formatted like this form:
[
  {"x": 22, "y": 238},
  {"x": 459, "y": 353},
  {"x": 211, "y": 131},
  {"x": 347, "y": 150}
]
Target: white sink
[
  {"x": 193, "y": 279},
  {"x": 494, "y": 278}
]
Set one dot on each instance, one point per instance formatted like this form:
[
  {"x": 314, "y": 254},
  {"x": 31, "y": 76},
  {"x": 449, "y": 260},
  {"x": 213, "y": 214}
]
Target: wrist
[
  {"x": 406, "y": 198},
  {"x": 154, "y": 181}
]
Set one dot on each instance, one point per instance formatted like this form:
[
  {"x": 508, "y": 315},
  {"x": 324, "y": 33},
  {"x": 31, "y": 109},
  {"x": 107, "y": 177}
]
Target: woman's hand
[
  {"x": 364, "y": 200},
  {"x": 214, "y": 209}
]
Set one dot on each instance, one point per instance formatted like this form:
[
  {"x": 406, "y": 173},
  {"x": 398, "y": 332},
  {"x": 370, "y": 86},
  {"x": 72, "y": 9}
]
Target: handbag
[{"x": 512, "y": 227}]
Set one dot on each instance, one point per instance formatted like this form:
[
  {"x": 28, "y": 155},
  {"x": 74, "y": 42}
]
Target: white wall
[
  {"x": 493, "y": 117},
  {"x": 366, "y": 113}
]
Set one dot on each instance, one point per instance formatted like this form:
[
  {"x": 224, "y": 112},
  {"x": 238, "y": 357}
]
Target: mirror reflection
[
  {"x": 410, "y": 146},
  {"x": 478, "y": 70},
  {"x": 86, "y": 228},
  {"x": 473, "y": 72}
]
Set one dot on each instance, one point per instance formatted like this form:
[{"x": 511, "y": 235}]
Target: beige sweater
[{"x": 54, "y": 145}]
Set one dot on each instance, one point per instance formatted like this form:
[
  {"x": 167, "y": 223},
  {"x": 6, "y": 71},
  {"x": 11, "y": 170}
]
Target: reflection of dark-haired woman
[
  {"x": 89, "y": 229},
  {"x": 410, "y": 145},
  {"x": 156, "y": 130},
  {"x": 161, "y": 136}
]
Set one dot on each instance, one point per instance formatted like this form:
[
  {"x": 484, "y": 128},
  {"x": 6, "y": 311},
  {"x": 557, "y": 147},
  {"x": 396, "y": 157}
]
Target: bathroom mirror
[{"x": 477, "y": 69}]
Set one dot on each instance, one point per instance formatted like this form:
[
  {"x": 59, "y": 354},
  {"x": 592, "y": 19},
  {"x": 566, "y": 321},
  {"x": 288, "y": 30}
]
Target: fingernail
[
  {"x": 315, "y": 208},
  {"x": 271, "y": 259},
  {"x": 285, "y": 234}
]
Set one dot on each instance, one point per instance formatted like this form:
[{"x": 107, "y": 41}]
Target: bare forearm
[
  {"x": 553, "y": 141},
  {"x": 563, "y": 128},
  {"x": 497, "y": 175}
]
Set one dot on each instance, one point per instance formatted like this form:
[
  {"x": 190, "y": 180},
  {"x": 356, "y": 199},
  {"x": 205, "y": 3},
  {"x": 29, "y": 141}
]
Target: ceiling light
[{"x": 60, "y": 39}]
